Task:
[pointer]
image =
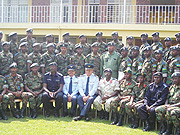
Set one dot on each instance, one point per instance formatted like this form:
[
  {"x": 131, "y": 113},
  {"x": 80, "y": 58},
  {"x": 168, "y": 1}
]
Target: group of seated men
[{"x": 141, "y": 81}]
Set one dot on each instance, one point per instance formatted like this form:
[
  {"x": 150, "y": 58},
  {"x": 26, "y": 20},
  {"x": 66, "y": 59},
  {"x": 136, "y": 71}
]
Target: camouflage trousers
[
  {"x": 98, "y": 103},
  {"x": 132, "y": 111},
  {"x": 34, "y": 102},
  {"x": 117, "y": 102},
  {"x": 4, "y": 102},
  {"x": 24, "y": 97}
]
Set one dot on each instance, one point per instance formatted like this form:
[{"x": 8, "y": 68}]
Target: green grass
[{"x": 52, "y": 125}]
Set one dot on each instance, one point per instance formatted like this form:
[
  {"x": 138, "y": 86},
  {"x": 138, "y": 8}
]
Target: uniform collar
[{"x": 52, "y": 75}]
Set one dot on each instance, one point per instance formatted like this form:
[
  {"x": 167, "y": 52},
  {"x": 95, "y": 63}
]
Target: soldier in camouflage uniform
[
  {"x": 6, "y": 58},
  {"x": 94, "y": 58},
  {"x": 13, "y": 45},
  {"x": 130, "y": 40},
  {"x": 78, "y": 60},
  {"x": 144, "y": 38},
  {"x": 126, "y": 62},
  {"x": 118, "y": 44},
  {"x": 86, "y": 46},
  {"x": 149, "y": 65},
  {"x": 63, "y": 59},
  {"x": 169, "y": 112},
  {"x": 161, "y": 64},
  {"x": 47, "y": 58},
  {"x": 15, "y": 87},
  {"x": 157, "y": 45},
  {"x": 34, "y": 85},
  {"x": 167, "y": 55},
  {"x": 29, "y": 40},
  {"x": 108, "y": 90},
  {"x": 177, "y": 35},
  {"x": 102, "y": 45},
  {"x": 136, "y": 100},
  {"x": 174, "y": 65},
  {"x": 49, "y": 39},
  {"x": 136, "y": 62},
  {"x": 70, "y": 47},
  {"x": 1, "y": 41},
  {"x": 21, "y": 59},
  {"x": 126, "y": 90},
  {"x": 4, "y": 99},
  {"x": 110, "y": 59},
  {"x": 35, "y": 56}
]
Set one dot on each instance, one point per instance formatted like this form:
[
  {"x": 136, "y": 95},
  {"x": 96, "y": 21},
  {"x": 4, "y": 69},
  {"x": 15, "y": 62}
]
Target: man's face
[
  {"x": 79, "y": 50},
  {"x": 35, "y": 69},
  {"x": 63, "y": 49},
  {"x": 29, "y": 34},
  {"x": 95, "y": 49},
  {"x": 155, "y": 38},
  {"x": 174, "y": 52},
  {"x": 66, "y": 38},
  {"x": 13, "y": 70},
  {"x": 130, "y": 41},
  {"x": 127, "y": 76},
  {"x": 53, "y": 68},
  {"x": 168, "y": 43},
  {"x": 71, "y": 72},
  {"x": 124, "y": 53},
  {"x": 143, "y": 38},
  {"x": 135, "y": 53},
  {"x": 14, "y": 38},
  {"x": 147, "y": 53},
  {"x": 50, "y": 49},
  {"x": 158, "y": 56},
  {"x": 176, "y": 80},
  {"x": 24, "y": 48},
  {"x": 114, "y": 37},
  {"x": 83, "y": 39},
  {"x": 141, "y": 79},
  {"x": 99, "y": 37},
  {"x": 108, "y": 74},
  {"x": 6, "y": 48},
  {"x": 111, "y": 48},
  {"x": 36, "y": 49},
  {"x": 88, "y": 71},
  {"x": 157, "y": 79}
]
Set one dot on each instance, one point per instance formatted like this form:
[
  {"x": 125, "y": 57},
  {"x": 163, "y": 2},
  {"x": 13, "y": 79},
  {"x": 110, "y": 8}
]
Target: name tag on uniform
[
  {"x": 48, "y": 79},
  {"x": 75, "y": 82},
  {"x": 57, "y": 80}
]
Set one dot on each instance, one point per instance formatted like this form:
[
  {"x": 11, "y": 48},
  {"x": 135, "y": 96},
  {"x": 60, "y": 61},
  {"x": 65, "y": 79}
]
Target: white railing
[{"x": 119, "y": 14}]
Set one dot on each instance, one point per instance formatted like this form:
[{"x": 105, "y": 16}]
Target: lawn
[{"x": 65, "y": 125}]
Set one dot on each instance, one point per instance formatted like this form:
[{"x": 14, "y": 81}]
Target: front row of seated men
[{"x": 138, "y": 100}]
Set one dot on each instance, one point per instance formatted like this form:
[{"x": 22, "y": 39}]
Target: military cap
[
  {"x": 155, "y": 34},
  {"x": 64, "y": 45},
  {"x": 34, "y": 65},
  {"x": 12, "y": 34},
  {"x": 114, "y": 33},
  {"x": 5, "y": 43},
  {"x": 108, "y": 70},
  {"x": 66, "y": 33},
  {"x": 148, "y": 48},
  {"x": 49, "y": 35},
  {"x": 89, "y": 66},
  {"x": 23, "y": 40},
  {"x": 53, "y": 64},
  {"x": 128, "y": 71},
  {"x": 135, "y": 48},
  {"x": 124, "y": 49},
  {"x": 36, "y": 44},
  {"x": 130, "y": 37},
  {"x": 176, "y": 74},
  {"x": 13, "y": 65},
  {"x": 29, "y": 30},
  {"x": 157, "y": 74},
  {"x": 1, "y": 32},
  {"x": 174, "y": 48},
  {"x": 82, "y": 35},
  {"x": 177, "y": 34},
  {"x": 144, "y": 34},
  {"x": 50, "y": 45},
  {"x": 23, "y": 44},
  {"x": 78, "y": 46},
  {"x": 95, "y": 44},
  {"x": 71, "y": 67},
  {"x": 110, "y": 44},
  {"x": 158, "y": 51},
  {"x": 167, "y": 39},
  {"x": 141, "y": 74},
  {"x": 99, "y": 33}
]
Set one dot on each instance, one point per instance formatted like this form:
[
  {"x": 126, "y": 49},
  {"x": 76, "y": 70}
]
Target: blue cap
[
  {"x": 144, "y": 34},
  {"x": 155, "y": 34},
  {"x": 99, "y": 33},
  {"x": 167, "y": 39},
  {"x": 89, "y": 66},
  {"x": 71, "y": 67}
]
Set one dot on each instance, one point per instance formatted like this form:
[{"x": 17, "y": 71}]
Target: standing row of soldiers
[{"x": 144, "y": 61}]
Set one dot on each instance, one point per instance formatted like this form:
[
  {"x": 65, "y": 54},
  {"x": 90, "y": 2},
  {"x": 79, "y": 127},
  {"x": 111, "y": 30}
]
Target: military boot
[
  {"x": 132, "y": 122},
  {"x": 178, "y": 130},
  {"x": 168, "y": 130},
  {"x": 115, "y": 119},
  {"x": 120, "y": 122},
  {"x": 163, "y": 127},
  {"x": 106, "y": 115},
  {"x": 3, "y": 114},
  {"x": 136, "y": 123},
  {"x": 14, "y": 113}
]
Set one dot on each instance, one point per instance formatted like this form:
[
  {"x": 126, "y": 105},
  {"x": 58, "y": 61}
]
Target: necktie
[
  {"x": 87, "y": 87},
  {"x": 70, "y": 86}
]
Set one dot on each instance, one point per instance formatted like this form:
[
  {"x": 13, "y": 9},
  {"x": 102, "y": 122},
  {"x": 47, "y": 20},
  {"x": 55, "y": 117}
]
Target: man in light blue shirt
[
  {"x": 88, "y": 84},
  {"x": 70, "y": 90}
]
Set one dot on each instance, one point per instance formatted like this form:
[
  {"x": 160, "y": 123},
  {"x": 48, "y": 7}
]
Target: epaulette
[
  {"x": 165, "y": 85},
  {"x": 153, "y": 60},
  {"x": 16, "y": 54}
]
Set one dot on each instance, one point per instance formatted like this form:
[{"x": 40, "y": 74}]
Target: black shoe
[
  {"x": 47, "y": 114},
  {"x": 4, "y": 117},
  {"x": 77, "y": 118},
  {"x": 149, "y": 126},
  {"x": 22, "y": 113},
  {"x": 169, "y": 129},
  {"x": 71, "y": 115},
  {"x": 115, "y": 121},
  {"x": 120, "y": 120},
  {"x": 136, "y": 123},
  {"x": 15, "y": 114},
  {"x": 163, "y": 127},
  {"x": 34, "y": 114},
  {"x": 56, "y": 114},
  {"x": 132, "y": 122},
  {"x": 106, "y": 116},
  {"x": 87, "y": 118},
  {"x": 65, "y": 114},
  {"x": 31, "y": 113},
  {"x": 0, "y": 118}
]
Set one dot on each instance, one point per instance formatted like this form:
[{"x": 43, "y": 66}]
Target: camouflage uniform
[
  {"x": 5, "y": 60},
  {"x": 5, "y": 99},
  {"x": 106, "y": 88},
  {"x": 21, "y": 61},
  {"x": 141, "y": 52},
  {"x": 46, "y": 60},
  {"x": 34, "y": 58},
  {"x": 87, "y": 48},
  {"x": 167, "y": 55},
  {"x": 102, "y": 47},
  {"x": 34, "y": 83},
  {"x": 62, "y": 62},
  {"x": 125, "y": 63},
  {"x": 95, "y": 60},
  {"x": 30, "y": 43},
  {"x": 13, "y": 48},
  {"x": 1, "y": 47},
  {"x": 15, "y": 84},
  {"x": 157, "y": 46},
  {"x": 79, "y": 62},
  {"x": 162, "y": 67},
  {"x": 118, "y": 45},
  {"x": 70, "y": 48},
  {"x": 43, "y": 47}
]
